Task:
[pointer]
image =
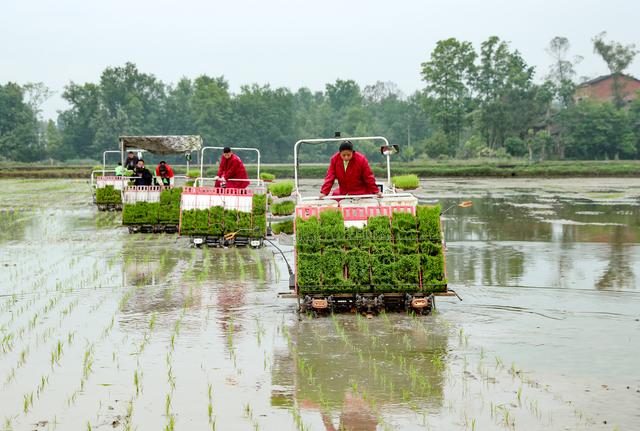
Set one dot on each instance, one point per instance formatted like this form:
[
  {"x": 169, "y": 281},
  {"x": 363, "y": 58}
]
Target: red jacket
[
  {"x": 233, "y": 169},
  {"x": 169, "y": 171},
  {"x": 357, "y": 180}
]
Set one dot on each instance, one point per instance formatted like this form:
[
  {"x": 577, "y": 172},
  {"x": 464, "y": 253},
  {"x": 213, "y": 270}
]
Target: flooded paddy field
[{"x": 100, "y": 329}]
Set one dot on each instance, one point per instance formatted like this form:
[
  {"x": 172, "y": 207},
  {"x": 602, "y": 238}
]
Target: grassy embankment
[{"x": 449, "y": 168}]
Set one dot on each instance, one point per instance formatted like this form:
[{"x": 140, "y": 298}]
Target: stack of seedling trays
[
  {"x": 281, "y": 207},
  {"x": 162, "y": 216},
  {"x": 108, "y": 193},
  {"x": 219, "y": 226},
  {"x": 108, "y": 198},
  {"x": 398, "y": 255}
]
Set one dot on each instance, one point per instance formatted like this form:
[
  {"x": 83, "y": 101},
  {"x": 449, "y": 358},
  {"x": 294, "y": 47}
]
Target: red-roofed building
[{"x": 601, "y": 89}]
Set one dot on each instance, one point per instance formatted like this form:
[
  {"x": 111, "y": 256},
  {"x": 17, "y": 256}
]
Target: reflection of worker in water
[
  {"x": 231, "y": 169},
  {"x": 144, "y": 176},
  {"x": 352, "y": 171},
  {"x": 164, "y": 174},
  {"x": 356, "y": 415}
]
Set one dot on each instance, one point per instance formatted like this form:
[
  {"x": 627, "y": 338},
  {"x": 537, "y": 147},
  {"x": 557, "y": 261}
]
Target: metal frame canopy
[
  {"x": 161, "y": 144},
  {"x": 340, "y": 139}
]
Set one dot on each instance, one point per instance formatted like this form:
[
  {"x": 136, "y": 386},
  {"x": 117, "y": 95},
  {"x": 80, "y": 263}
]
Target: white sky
[{"x": 285, "y": 42}]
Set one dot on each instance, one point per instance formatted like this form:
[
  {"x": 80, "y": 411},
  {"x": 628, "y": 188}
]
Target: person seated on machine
[
  {"x": 144, "y": 177},
  {"x": 352, "y": 171},
  {"x": 231, "y": 170}
]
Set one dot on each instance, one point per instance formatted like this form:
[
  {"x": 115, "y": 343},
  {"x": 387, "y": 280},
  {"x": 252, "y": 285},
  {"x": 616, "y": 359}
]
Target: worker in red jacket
[
  {"x": 352, "y": 171},
  {"x": 231, "y": 168},
  {"x": 164, "y": 174}
]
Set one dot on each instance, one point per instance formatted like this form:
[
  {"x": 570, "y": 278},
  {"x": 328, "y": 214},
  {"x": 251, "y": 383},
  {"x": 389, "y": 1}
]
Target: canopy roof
[{"x": 162, "y": 144}]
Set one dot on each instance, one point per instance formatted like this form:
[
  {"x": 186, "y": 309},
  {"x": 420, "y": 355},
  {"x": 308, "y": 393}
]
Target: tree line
[{"x": 475, "y": 103}]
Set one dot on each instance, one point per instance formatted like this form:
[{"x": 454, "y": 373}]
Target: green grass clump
[
  {"x": 283, "y": 227},
  {"x": 265, "y": 176},
  {"x": 282, "y": 189},
  {"x": 406, "y": 182},
  {"x": 283, "y": 208},
  {"x": 108, "y": 195}
]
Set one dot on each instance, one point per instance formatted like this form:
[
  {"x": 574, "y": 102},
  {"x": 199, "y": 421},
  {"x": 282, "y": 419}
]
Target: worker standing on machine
[
  {"x": 352, "y": 171},
  {"x": 231, "y": 169}
]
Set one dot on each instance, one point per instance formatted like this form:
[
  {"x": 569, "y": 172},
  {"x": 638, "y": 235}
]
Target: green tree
[
  {"x": 211, "y": 107},
  {"x": 264, "y": 119},
  {"x": 78, "y": 130},
  {"x": 562, "y": 70},
  {"x": 506, "y": 93},
  {"x": 54, "y": 144},
  {"x": 598, "y": 130},
  {"x": 18, "y": 128},
  {"x": 449, "y": 74},
  {"x": 179, "y": 116},
  {"x": 618, "y": 58}
]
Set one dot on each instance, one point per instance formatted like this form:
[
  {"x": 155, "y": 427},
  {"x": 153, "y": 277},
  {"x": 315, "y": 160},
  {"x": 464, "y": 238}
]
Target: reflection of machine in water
[
  {"x": 350, "y": 369},
  {"x": 157, "y": 273}
]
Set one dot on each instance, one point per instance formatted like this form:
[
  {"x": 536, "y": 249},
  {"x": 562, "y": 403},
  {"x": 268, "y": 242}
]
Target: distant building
[{"x": 601, "y": 89}]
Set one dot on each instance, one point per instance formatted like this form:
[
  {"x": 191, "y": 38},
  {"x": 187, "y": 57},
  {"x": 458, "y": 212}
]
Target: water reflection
[
  {"x": 346, "y": 368},
  {"x": 540, "y": 240}
]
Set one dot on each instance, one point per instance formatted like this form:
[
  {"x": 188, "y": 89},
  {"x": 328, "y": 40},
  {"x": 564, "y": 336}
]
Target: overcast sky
[{"x": 285, "y": 42}]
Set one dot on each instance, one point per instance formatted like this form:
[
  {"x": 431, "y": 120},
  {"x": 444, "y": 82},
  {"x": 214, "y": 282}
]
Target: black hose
[{"x": 283, "y": 256}]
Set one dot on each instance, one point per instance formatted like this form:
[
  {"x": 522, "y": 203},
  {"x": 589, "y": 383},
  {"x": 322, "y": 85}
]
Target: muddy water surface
[{"x": 100, "y": 329}]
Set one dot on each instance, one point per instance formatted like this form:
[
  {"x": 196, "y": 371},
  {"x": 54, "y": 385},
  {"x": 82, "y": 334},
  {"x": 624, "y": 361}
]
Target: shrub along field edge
[{"x": 451, "y": 168}]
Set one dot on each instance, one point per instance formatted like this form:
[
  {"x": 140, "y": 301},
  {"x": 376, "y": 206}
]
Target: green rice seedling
[
  {"x": 283, "y": 208},
  {"x": 230, "y": 221},
  {"x": 136, "y": 381},
  {"x": 406, "y": 182},
  {"x": 108, "y": 195},
  {"x": 332, "y": 264},
  {"x": 27, "y": 402},
  {"x": 332, "y": 232},
  {"x": 265, "y": 176},
  {"x": 358, "y": 268},
  {"x": 167, "y": 405},
  {"x": 216, "y": 216},
  {"x": 429, "y": 223},
  {"x": 283, "y": 227},
  {"x": 308, "y": 235},
  {"x": 281, "y": 189},
  {"x": 244, "y": 223},
  {"x": 259, "y": 204}
]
